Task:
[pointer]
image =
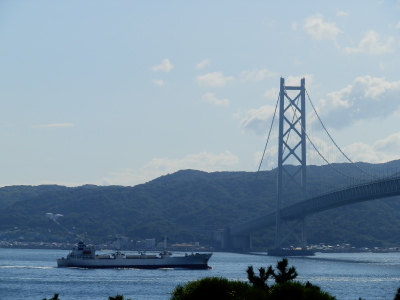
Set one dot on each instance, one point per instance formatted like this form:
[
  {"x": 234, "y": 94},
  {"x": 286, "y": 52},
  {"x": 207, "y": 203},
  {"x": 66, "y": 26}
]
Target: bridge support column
[
  {"x": 291, "y": 150},
  {"x": 225, "y": 243},
  {"x": 304, "y": 233},
  {"x": 228, "y": 241},
  {"x": 296, "y": 229},
  {"x": 241, "y": 242}
]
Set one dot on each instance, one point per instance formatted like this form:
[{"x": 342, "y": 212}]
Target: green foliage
[
  {"x": 282, "y": 275},
  {"x": 298, "y": 291},
  {"x": 55, "y": 297},
  {"x": 217, "y": 288},
  {"x": 186, "y": 204},
  {"x": 261, "y": 280},
  {"x": 397, "y": 296},
  {"x": 117, "y": 297},
  {"x": 222, "y": 288}
]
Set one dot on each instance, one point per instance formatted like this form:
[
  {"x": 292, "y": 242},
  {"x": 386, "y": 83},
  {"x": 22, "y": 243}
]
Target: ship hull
[{"x": 197, "y": 261}]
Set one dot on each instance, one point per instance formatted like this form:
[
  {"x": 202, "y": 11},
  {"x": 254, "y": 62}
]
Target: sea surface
[{"x": 32, "y": 274}]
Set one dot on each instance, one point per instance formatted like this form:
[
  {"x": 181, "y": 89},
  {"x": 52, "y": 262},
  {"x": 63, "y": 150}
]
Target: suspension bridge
[{"x": 290, "y": 220}]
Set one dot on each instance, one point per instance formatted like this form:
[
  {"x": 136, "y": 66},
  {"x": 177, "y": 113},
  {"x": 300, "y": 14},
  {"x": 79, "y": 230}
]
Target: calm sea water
[{"x": 32, "y": 274}]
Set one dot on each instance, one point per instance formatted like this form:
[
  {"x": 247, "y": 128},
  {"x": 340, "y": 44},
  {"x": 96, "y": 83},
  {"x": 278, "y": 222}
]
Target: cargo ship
[{"x": 84, "y": 256}]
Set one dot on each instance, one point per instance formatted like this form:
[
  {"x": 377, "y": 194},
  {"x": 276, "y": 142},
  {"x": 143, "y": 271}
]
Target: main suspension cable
[
  {"x": 315, "y": 148},
  {"x": 269, "y": 134},
  {"x": 316, "y": 113}
]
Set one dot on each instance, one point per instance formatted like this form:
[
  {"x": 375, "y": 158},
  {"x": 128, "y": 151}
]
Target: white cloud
[
  {"x": 363, "y": 152},
  {"x": 342, "y": 14},
  {"x": 157, "y": 167},
  {"x": 296, "y": 80},
  {"x": 165, "y": 66},
  {"x": 390, "y": 144},
  {"x": 210, "y": 98},
  {"x": 216, "y": 79},
  {"x": 270, "y": 158},
  {"x": 367, "y": 97},
  {"x": 398, "y": 25},
  {"x": 396, "y": 112},
  {"x": 356, "y": 152},
  {"x": 258, "y": 120},
  {"x": 383, "y": 66},
  {"x": 379, "y": 152},
  {"x": 203, "y": 63},
  {"x": 319, "y": 29},
  {"x": 257, "y": 75},
  {"x": 58, "y": 125},
  {"x": 272, "y": 94},
  {"x": 294, "y": 26},
  {"x": 372, "y": 44},
  {"x": 159, "y": 82},
  {"x": 328, "y": 151},
  {"x": 202, "y": 161}
]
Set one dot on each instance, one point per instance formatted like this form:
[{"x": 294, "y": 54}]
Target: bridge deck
[{"x": 369, "y": 191}]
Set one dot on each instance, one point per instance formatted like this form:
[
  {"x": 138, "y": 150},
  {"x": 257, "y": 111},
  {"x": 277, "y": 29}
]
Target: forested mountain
[{"x": 187, "y": 204}]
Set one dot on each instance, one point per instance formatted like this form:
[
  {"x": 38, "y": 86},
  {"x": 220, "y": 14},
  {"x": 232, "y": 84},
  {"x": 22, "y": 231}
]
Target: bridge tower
[{"x": 291, "y": 148}]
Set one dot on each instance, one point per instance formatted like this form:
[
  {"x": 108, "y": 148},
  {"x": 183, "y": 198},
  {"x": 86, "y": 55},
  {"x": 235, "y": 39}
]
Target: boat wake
[{"x": 26, "y": 267}]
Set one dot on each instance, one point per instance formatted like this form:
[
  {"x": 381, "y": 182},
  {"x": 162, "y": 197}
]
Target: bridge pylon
[{"x": 291, "y": 149}]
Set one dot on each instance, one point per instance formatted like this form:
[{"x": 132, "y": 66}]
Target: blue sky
[{"x": 121, "y": 92}]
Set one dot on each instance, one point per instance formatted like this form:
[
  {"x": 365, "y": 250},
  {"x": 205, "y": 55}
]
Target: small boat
[{"x": 84, "y": 256}]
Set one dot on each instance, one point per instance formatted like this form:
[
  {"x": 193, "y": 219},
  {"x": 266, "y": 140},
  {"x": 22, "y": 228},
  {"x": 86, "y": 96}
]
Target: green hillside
[{"x": 187, "y": 204}]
